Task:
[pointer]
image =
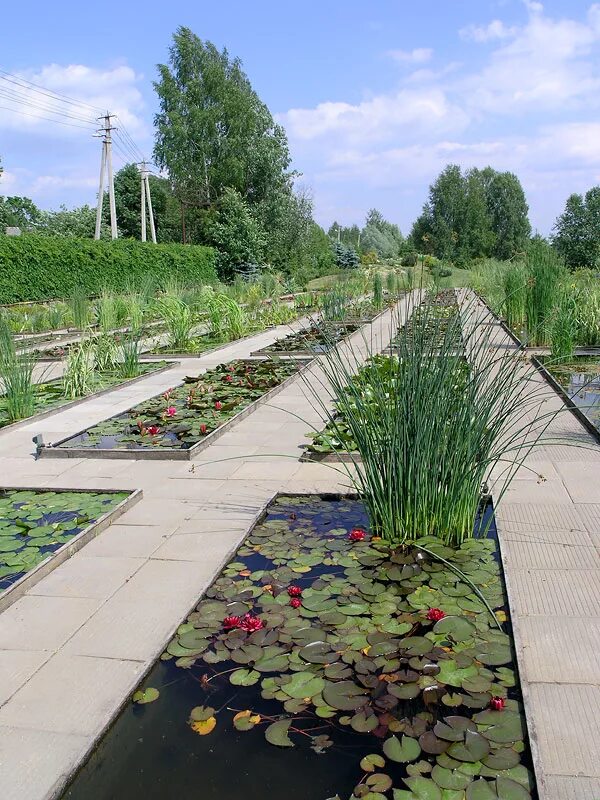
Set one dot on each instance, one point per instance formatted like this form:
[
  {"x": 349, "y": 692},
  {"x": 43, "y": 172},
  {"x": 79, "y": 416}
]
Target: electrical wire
[
  {"x": 14, "y": 97},
  {"x": 47, "y": 119},
  {"x": 48, "y": 92}
]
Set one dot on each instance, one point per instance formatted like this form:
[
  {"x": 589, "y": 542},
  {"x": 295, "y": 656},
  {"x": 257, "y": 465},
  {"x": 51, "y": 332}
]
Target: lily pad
[
  {"x": 277, "y": 733},
  {"x": 148, "y": 695},
  {"x": 403, "y": 751}
]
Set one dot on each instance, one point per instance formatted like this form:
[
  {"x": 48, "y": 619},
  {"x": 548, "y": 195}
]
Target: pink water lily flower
[{"x": 171, "y": 411}]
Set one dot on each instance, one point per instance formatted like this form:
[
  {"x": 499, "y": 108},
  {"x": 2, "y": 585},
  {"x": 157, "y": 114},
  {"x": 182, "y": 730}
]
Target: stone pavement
[
  {"x": 76, "y": 644},
  {"x": 549, "y": 529}
]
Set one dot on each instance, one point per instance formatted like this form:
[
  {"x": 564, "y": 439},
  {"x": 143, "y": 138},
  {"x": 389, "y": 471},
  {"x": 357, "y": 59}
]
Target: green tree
[
  {"x": 79, "y": 223},
  {"x": 212, "y": 130},
  {"x": 509, "y": 214},
  {"x": 233, "y": 230},
  {"x": 577, "y": 230},
  {"x": 20, "y": 212},
  {"x": 165, "y": 207}
]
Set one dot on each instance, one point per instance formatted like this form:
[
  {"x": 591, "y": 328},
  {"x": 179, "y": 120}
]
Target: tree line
[{"x": 226, "y": 181}]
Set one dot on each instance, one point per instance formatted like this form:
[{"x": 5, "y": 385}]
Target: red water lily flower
[
  {"x": 357, "y": 535},
  {"x": 153, "y": 430},
  {"x": 218, "y": 405},
  {"x": 171, "y": 411},
  {"x": 250, "y": 623},
  {"x": 232, "y": 622},
  {"x": 167, "y": 394},
  {"x": 203, "y": 429},
  {"x": 295, "y": 602},
  {"x": 497, "y": 703},
  {"x": 294, "y": 591},
  {"x": 228, "y": 378},
  {"x": 435, "y": 614}
]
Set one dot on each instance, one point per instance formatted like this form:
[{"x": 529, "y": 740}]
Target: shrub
[
  {"x": 409, "y": 260},
  {"x": 39, "y": 267}
]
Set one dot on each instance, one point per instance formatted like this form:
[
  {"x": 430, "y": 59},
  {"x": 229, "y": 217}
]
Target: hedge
[{"x": 40, "y": 268}]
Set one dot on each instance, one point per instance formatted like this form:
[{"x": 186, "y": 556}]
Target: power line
[
  {"x": 125, "y": 146},
  {"x": 47, "y": 119},
  {"x": 43, "y": 90},
  {"x": 128, "y": 138},
  {"x": 14, "y": 97}
]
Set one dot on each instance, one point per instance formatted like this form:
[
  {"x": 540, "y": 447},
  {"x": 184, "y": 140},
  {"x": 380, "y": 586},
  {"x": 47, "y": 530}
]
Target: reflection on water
[{"x": 581, "y": 381}]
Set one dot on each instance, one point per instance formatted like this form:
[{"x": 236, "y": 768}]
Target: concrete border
[
  {"x": 12, "y": 593},
  {"x": 571, "y": 405},
  {"x": 78, "y": 400},
  {"x": 161, "y": 453}
]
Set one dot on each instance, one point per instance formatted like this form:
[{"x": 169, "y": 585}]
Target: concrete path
[
  {"x": 549, "y": 528},
  {"x": 73, "y": 648}
]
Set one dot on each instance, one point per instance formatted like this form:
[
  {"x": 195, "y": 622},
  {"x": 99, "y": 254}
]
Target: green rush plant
[
  {"x": 544, "y": 273},
  {"x": 391, "y": 282},
  {"x": 562, "y": 329},
  {"x": 235, "y": 321},
  {"x": 106, "y": 311},
  {"x": 79, "y": 376},
  {"x": 334, "y": 304},
  {"x": 80, "y": 307},
  {"x": 514, "y": 280},
  {"x": 377, "y": 291},
  {"x": 16, "y": 377},
  {"x": 179, "y": 320},
  {"x": 106, "y": 353},
  {"x": 131, "y": 348},
  {"x": 429, "y": 424}
]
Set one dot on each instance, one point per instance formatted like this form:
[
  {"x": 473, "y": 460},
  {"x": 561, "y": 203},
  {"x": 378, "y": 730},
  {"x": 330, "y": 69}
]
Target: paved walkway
[
  {"x": 549, "y": 528},
  {"x": 73, "y": 648}
]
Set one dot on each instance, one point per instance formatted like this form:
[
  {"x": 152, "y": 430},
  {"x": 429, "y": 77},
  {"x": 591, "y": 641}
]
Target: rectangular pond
[
  {"x": 38, "y": 528},
  {"x": 182, "y": 420},
  {"x": 579, "y": 380},
  {"x": 322, "y": 664},
  {"x": 312, "y": 341}
]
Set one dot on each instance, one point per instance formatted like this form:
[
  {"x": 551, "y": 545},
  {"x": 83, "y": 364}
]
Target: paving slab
[
  {"x": 43, "y": 623},
  {"x": 16, "y": 668},
  {"x": 545, "y": 659},
  {"x": 88, "y": 576}
]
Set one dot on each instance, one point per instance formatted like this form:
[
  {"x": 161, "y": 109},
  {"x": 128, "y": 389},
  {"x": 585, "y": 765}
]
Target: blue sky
[{"x": 376, "y": 97}]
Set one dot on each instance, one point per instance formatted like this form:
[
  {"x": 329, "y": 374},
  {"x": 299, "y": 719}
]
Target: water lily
[
  {"x": 218, "y": 405},
  {"x": 167, "y": 394},
  {"x": 250, "y": 623},
  {"x": 497, "y": 704},
  {"x": 153, "y": 430},
  {"x": 171, "y": 411},
  {"x": 228, "y": 378},
  {"x": 435, "y": 614},
  {"x": 295, "y": 602},
  {"x": 294, "y": 591},
  {"x": 357, "y": 535},
  {"x": 203, "y": 429},
  {"x": 232, "y": 622},
  {"x": 141, "y": 427}
]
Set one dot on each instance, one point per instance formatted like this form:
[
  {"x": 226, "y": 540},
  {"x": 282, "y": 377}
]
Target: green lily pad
[
  {"x": 344, "y": 695},
  {"x": 303, "y": 684},
  {"x": 372, "y": 762},
  {"x": 277, "y": 733},
  {"x": 148, "y": 695},
  {"x": 450, "y": 779},
  {"x": 244, "y": 677},
  {"x": 420, "y": 789},
  {"x": 473, "y": 748},
  {"x": 459, "y": 628},
  {"x": 402, "y": 751}
]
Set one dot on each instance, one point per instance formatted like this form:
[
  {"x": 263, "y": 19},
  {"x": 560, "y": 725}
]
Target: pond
[
  {"x": 182, "y": 416},
  {"x": 321, "y": 664},
  {"x": 580, "y": 379},
  {"x": 34, "y": 524}
]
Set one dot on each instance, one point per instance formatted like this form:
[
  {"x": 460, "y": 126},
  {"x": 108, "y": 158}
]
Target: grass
[
  {"x": 428, "y": 427},
  {"x": 16, "y": 375}
]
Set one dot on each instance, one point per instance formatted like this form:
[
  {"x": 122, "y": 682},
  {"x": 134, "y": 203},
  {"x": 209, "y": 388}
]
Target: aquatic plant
[
  {"x": 16, "y": 377},
  {"x": 544, "y": 273},
  {"x": 80, "y": 308},
  {"x": 131, "y": 348},
  {"x": 179, "y": 320},
  {"x": 430, "y": 425},
  {"x": 79, "y": 375},
  {"x": 377, "y": 291},
  {"x": 562, "y": 329},
  {"x": 515, "y": 290}
]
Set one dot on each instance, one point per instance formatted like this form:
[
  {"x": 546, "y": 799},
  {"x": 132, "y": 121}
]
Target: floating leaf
[
  {"x": 203, "y": 726},
  {"x": 277, "y": 733},
  {"x": 402, "y": 751},
  {"x": 303, "y": 684},
  {"x": 372, "y": 762},
  {"x": 148, "y": 695},
  {"x": 244, "y": 677},
  {"x": 344, "y": 695}
]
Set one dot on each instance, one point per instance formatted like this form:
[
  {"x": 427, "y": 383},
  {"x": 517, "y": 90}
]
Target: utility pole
[
  {"x": 106, "y": 164},
  {"x": 145, "y": 197}
]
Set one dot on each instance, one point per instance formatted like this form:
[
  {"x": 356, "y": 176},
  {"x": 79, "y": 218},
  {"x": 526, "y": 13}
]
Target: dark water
[
  {"x": 151, "y": 752},
  {"x": 581, "y": 381}
]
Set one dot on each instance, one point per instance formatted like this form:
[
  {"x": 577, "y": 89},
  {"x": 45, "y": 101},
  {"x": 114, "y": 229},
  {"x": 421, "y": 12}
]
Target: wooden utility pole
[{"x": 106, "y": 165}]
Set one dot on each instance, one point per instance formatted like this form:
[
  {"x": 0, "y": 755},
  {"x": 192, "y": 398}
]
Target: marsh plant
[
  {"x": 544, "y": 274},
  {"x": 562, "y": 329},
  {"x": 179, "y": 320},
  {"x": 391, "y": 282},
  {"x": 16, "y": 377},
  {"x": 429, "y": 425},
  {"x": 515, "y": 292},
  {"x": 80, "y": 308},
  {"x": 377, "y": 291},
  {"x": 106, "y": 353},
  {"x": 131, "y": 348},
  {"x": 79, "y": 376},
  {"x": 335, "y": 304},
  {"x": 106, "y": 312}
]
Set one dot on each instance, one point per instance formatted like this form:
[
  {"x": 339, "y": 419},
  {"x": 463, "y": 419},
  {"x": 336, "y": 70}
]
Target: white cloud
[
  {"x": 93, "y": 89},
  {"x": 420, "y": 55},
  {"x": 496, "y": 29},
  {"x": 533, "y": 6}
]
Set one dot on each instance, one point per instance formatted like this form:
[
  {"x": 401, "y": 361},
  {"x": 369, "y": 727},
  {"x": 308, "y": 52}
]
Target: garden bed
[
  {"x": 49, "y": 395},
  {"x": 309, "y": 342},
  {"x": 321, "y": 664},
  {"x": 184, "y": 420},
  {"x": 40, "y": 529},
  {"x": 578, "y": 385}
]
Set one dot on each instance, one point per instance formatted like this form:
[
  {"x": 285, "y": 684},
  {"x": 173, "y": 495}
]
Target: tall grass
[
  {"x": 106, "y": 311},
  {"x": 131, "y": 348},
  {"x": 430, "y": 426},
  {"x": 515, "y": 291},
  {"x": 80, "y": 308},
  {"x": 335, "y": 304},
  {"x": 544, "y": 272},
  {"x": 377, "y": 291},
  {"x": 79, "y": 377},
  {"x": 179, "y": 320},
  {"x": 16, "y": 377},
  {"x": 562, "y": 329}
]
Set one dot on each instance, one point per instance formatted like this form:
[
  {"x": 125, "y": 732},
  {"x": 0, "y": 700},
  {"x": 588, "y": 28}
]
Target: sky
[{"x": 376, "y": 97}]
